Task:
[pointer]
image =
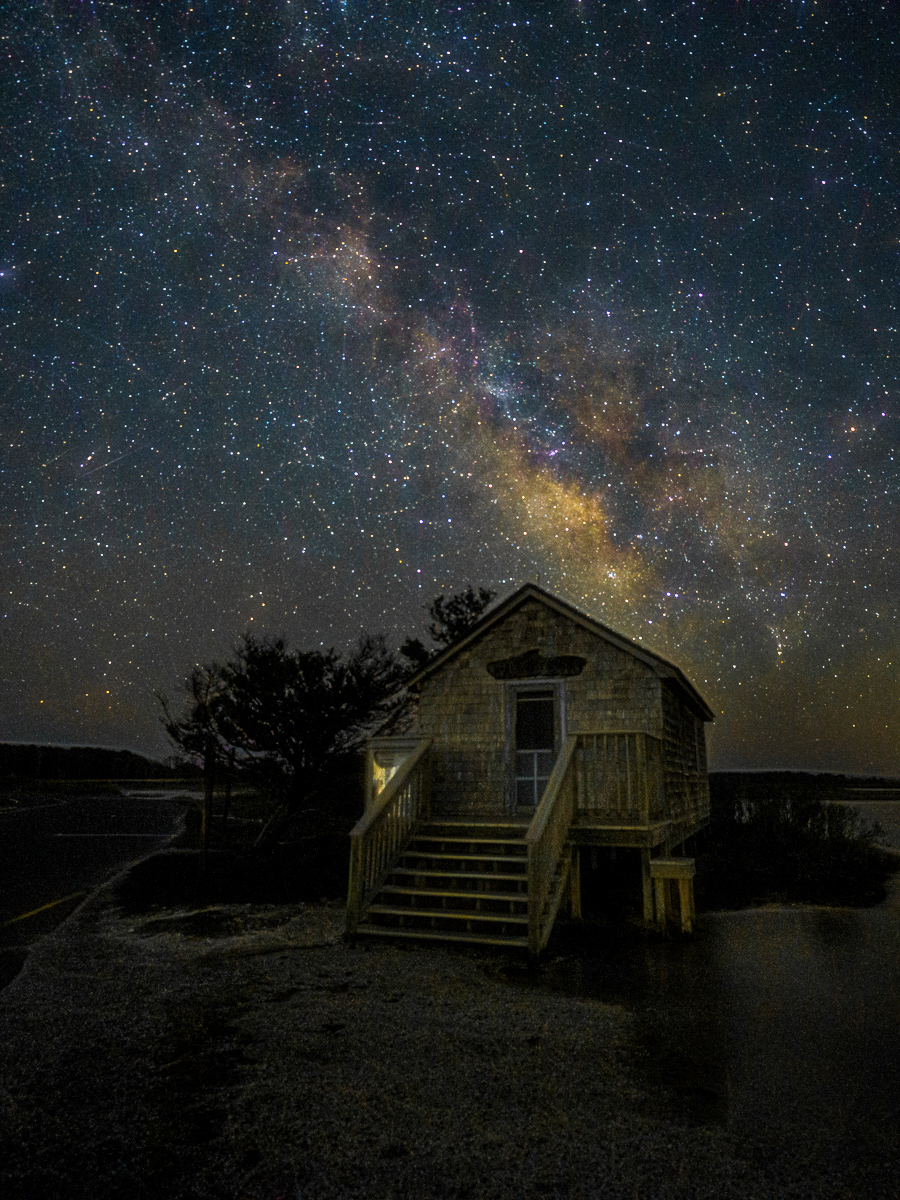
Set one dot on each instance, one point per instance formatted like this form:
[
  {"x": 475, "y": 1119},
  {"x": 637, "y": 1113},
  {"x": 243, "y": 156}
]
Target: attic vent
[{"x": 534, "y": 665}]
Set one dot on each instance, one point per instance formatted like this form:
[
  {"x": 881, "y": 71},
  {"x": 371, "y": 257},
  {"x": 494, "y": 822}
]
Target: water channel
[{"x": 780, "y": 1024}]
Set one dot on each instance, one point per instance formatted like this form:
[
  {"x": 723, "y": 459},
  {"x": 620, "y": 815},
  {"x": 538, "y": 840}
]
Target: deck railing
[
  {"x": 620, "y": 777},
  {"x": 548, "y": 847},
  {"x": 379, "y": 836}
]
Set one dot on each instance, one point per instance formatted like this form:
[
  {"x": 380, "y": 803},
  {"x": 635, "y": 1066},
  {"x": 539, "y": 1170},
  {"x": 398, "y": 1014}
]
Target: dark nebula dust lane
[{"x": 309, "y": 312}]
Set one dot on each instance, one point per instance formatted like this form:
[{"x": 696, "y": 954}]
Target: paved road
[{"x": 55, "y": 852}]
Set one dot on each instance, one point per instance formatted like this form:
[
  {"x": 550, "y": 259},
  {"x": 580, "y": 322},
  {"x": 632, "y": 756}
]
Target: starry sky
[{"x": 310, "y": 312}]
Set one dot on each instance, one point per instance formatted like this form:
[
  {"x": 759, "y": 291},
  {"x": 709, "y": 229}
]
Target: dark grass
[{"x": 310, "y": 870}]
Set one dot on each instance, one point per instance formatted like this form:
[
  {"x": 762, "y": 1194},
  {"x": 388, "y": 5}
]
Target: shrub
[{"x": 781, "y": 839}]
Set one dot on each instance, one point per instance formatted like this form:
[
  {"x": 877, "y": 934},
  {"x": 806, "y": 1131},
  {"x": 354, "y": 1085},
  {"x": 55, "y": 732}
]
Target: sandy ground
[{"x": 248, "y": 1052}]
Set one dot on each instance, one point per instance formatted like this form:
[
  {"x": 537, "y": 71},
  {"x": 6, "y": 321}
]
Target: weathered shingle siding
[
  {"x": 684, "y": 772},
  {"x": 464, "y": 709}
]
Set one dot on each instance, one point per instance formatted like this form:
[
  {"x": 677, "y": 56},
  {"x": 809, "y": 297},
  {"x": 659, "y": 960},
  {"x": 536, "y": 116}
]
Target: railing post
[
  {"x": 380, "y": 833},
  {"x": 575, "y": 884},
  {"x": 580, "y": 780},
  {"x": 534, "y": 904},
  {"x": 425, "y": 777},
  {"x": 647, "y": 887},
  {"x": 546, "y": 840},
  {"x": 370, "y": 774}
]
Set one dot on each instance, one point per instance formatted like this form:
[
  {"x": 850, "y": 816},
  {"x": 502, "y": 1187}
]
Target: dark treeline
[
  {"x": 77, "y": 762},
  {"x": 726, "y": 786}
]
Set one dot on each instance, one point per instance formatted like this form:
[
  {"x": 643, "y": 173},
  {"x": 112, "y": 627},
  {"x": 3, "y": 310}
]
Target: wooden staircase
[{"x": 456, "y": 881}]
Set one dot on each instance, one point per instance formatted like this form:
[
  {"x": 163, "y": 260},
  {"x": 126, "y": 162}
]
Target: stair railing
[
  {"x": 377, "y": 839},
  {"x": 548, "y": 850},
  {"x": 620, "y": 777}
]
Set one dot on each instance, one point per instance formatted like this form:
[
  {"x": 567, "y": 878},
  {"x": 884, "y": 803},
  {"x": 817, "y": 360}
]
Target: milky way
[{"x": 311, "y": 312}]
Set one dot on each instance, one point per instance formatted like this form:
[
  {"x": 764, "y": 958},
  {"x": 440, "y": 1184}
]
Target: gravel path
[{"x": 248, "y": 1053}]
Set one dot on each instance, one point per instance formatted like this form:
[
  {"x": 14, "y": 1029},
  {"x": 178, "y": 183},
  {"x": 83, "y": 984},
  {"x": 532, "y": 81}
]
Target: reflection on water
[{"x": 781, "y": 1024}]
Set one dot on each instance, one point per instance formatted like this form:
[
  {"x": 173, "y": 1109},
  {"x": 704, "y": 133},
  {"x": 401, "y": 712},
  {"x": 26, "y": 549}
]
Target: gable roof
[{"x": 531, "y": 591}]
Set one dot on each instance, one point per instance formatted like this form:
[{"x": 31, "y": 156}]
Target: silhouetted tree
[
  {"x": 287, "y": 718},
  {"x": 451, "y": 618},
  {"x": 201, "y": 733}
]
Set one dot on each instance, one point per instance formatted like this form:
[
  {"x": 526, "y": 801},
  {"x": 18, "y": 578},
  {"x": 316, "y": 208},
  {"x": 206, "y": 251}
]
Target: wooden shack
[{"x": 538, "y": 734}]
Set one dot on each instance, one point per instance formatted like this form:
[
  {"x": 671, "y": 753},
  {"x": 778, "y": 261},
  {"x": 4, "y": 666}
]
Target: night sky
[{"x": 310, "y": 312}]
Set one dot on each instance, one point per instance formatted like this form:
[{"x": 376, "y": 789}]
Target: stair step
[
  {"x": 521, "y": 897},
  {"x": 426, "y": 894},
  {"x": 501, "y": 858},
  {"x": 494, "y": 829},
  {"x": 473, "y": 823},
  {"x": 456, "y": 863},
  {"x": 467, "y": 841},
  {"x": 471, "y": 876},
  {"x": 385, "y": 910},
  {"x": 434, "y": 935},
  {"x": 467, "y": 849}
]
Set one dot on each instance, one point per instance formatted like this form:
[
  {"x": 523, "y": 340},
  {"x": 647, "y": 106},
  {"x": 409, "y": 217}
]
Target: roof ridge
[{"x": 514, "y": 599}]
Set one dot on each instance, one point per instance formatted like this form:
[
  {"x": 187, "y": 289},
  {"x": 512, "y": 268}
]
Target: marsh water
[{"x": 780, "y": 1024}]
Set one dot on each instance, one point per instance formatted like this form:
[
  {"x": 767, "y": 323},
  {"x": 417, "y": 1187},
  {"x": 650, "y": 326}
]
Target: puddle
[{"x": 780, "y": 1023}]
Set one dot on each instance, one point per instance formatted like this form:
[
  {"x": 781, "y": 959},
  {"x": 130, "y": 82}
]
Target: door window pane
[
  {"x": 533, "y": 768},
  {"x": 544, "y": 764},
  {"x": 525, "y": 793},
  {"x": 534, "y": 721}
]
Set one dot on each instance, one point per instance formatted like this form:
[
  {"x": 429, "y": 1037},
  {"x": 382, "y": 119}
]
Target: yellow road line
[{"x": 43, "y": 908}]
